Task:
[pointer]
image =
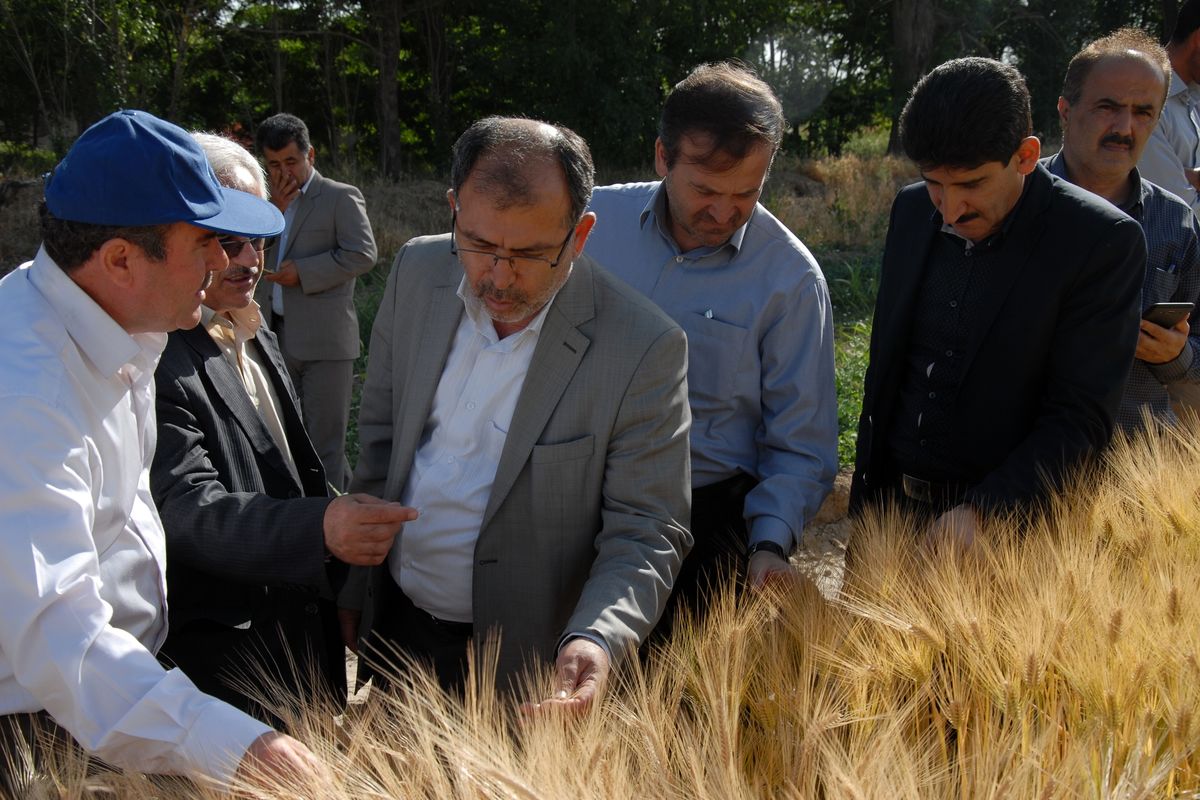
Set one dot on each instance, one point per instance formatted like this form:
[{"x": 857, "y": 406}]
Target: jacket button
[{"x": 310, "y": 608}]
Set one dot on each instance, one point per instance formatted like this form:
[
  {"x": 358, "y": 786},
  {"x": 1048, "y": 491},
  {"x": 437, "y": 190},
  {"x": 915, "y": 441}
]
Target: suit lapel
[
  {"x": 896, "y": 306},
  {"x": 230, "y": 391},
  {"x": 1023, "y": 238},
  {"x": 441, "y": 319},
  {"x": 559, "y": 350}
]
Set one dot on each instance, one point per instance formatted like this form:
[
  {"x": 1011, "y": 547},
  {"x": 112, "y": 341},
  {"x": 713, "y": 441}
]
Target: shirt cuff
[
  {"x": 219, "y": 737},
  {"x": 591, "y": 637},
  {"x": 766, "y": 528},
  {"x": 1176, "y": 369}
]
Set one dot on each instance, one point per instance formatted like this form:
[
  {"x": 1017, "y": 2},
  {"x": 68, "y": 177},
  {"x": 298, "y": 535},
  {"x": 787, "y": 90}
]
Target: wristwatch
[{"x": 768, "y": 546}]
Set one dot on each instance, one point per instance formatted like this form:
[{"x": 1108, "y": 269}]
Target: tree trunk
[
  {"x": 386, "y": 15},
  {"x": 912, "y": 48}
]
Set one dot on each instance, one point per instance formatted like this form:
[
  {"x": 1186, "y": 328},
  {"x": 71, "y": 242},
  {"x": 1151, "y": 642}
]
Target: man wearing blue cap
[{"x": 130, "y": 228}]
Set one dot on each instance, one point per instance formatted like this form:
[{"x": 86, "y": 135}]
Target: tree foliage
[{"x": 386, "y": 85}]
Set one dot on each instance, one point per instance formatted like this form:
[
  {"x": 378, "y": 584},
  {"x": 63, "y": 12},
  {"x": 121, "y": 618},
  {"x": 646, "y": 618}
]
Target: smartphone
[{"x": 1167, "y": 315}]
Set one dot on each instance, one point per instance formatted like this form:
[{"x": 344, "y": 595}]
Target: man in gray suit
[
  {"x": 535, "y": 410},
  {"x": 257, "y": 548},
  {"x": 311, "y": 270}
]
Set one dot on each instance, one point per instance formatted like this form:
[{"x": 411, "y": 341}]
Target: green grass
[{"x": 853, "y": 280}]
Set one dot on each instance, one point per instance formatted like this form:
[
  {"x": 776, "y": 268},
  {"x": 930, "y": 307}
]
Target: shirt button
[
  {"x": 949, "y": 353},
  {"x": 922, "y": 443},
  {"x": 449, "y": 459},
  {"x": 678, "y": 259},
  {"x": 954, "y": 304},
  {"x": 310, "y": 608},
  {"x": 933, "y": 395},
  {"x": 470, "y": 406}
]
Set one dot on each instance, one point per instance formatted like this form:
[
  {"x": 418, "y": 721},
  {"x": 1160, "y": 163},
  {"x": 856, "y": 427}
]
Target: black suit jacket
[
  {"x": 1049, "y": 356},
  {"x": 246, "y": 570}
]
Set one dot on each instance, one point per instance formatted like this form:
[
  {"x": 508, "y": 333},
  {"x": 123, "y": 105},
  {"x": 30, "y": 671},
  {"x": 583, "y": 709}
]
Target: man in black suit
[
  {"x": 256, "y": 549},
  {"x": 1007, "y": 313}
]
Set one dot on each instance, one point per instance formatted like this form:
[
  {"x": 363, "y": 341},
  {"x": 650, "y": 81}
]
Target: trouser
[
  {"x": 403, "y": 626},
  {"x": 324, "y": 388},
  {"x": 718, "y": 551}
]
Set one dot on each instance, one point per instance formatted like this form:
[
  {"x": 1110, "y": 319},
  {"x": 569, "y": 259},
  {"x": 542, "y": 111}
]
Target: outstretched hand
[{"x": 360, "y": 529}]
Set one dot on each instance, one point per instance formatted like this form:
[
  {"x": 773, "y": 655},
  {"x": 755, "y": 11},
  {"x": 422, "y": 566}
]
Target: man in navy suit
[
  {"x": 1007, "y": 313},
  {"x": 256, "y": 547}
]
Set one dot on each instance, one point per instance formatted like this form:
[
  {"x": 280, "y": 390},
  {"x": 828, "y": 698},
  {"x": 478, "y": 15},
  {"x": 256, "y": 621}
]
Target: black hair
[
  {"x": 71, "y": 244},
  {"x": 280, "y": 130},
  {"x": 522, "y": 141},
  {"x": 729, "y": 105},
  {"x": 965, "y": 113}
]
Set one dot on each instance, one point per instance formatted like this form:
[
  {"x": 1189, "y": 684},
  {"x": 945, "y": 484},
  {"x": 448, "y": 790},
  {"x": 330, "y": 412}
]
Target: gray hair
[{"x": 235, "y": 167}]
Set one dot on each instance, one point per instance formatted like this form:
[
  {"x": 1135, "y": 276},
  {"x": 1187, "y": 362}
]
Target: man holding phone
[{"x": 1112, "y": 96}]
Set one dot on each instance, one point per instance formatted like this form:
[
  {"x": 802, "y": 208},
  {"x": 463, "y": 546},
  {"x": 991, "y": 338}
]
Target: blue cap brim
[{"x": 244, "y": 215}]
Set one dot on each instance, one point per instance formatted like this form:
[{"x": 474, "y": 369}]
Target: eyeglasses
[
  {"x": 517, "y": 264},
  {"x": 234, "y": 245}
]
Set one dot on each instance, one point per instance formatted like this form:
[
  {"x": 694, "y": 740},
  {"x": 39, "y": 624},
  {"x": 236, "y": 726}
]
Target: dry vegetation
[{"x": 1055, "y": 662}]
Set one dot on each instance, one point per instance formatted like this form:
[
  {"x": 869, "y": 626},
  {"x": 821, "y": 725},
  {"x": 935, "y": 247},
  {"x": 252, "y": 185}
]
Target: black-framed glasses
[
  {"x": 234, "y": 245},
  {"x": 517, "y": 264}
]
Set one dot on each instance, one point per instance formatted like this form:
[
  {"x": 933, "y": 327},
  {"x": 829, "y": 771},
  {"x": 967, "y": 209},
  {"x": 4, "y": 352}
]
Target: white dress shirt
[
  {"x": 82, "y": 562},
  {"x": 455, "y": 465}
]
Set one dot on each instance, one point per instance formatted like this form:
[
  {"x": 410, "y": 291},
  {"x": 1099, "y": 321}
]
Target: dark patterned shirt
[{"x": 1172, "y": 275}]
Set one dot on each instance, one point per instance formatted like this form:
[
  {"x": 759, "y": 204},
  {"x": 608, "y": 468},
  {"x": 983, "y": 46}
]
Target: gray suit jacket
[
  {"x": 331, "y": 242},
  {"x": 586, "y": 524}
]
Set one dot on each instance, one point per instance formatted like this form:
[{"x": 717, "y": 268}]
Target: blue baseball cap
[{"x": 134, "y": 169}]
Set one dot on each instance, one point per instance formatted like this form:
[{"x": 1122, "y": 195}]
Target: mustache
[
  {"x": 1116, "y": 138},
  {"x": 235, "y": 271},
  {"x": 488, "y": 289}
]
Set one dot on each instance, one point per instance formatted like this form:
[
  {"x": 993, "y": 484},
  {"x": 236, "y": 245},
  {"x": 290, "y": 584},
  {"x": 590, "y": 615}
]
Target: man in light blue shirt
[{"x": 756, "y": 311}]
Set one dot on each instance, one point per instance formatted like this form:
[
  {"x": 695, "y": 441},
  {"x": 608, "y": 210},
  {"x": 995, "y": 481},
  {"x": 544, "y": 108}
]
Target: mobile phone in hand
[{"x": 1168, "y": 315}]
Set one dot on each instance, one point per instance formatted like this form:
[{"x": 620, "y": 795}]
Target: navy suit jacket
[{"x": 1050, "y": 352}]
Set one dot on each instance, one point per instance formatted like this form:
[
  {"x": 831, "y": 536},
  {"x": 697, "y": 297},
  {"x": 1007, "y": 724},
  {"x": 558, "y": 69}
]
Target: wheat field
[{"x": 1053, "y": 662}]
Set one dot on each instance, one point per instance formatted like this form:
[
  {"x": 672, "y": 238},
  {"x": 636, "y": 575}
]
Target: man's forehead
[
  {"x": 942, "y": 173},
  {"x": 696, "y": 150},
  {"x": 1128, "y": 65}
]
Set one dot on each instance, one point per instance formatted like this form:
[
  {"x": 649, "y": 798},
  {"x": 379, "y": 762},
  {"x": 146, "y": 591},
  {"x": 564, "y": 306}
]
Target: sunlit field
[{"x": 1054, "y": 661}]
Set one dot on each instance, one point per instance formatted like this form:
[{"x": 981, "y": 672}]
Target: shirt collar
[
  {"x": 97, "y": 335},
  {"x": 311, "y": 174},
  {"x": 656, "y": 209},
  {"x": 244, "y": 322},
  {"x": 1178, "y": 85},
  {"x": 1057, "y": 166}
]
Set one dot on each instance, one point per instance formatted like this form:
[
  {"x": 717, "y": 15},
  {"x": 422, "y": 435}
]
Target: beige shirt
[{"x": 231, "y": 330}]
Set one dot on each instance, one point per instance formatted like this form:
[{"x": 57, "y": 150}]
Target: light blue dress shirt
[{"x": 759, "y": 325}]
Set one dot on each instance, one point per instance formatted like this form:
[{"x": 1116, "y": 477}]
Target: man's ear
[
  {"x": 312, "y": 155},
  {"x": 583, "y": 229},
  {"x": 660, "y": 158},
  {"x": 452, "y": 200},
  {"x": 1028, "y": 153},
  {"x": 1064, "y": 112},
  {"x": 113, "y": 262}
]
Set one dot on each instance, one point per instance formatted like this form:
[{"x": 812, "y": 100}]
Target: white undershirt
[{"x": 455, "y": 464}]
